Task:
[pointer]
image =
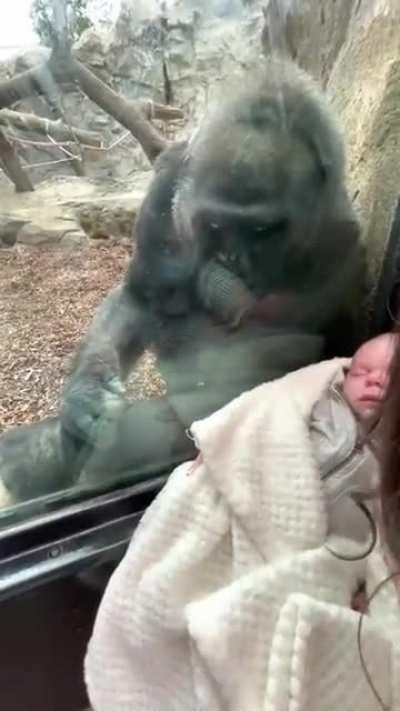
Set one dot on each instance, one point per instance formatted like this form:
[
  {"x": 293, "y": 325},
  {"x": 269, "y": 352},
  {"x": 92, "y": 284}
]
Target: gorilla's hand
[{"x": 90, "y": 412}]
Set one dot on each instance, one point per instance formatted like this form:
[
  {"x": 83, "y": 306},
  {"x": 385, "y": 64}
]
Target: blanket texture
[{"x": 227, "y": 598}]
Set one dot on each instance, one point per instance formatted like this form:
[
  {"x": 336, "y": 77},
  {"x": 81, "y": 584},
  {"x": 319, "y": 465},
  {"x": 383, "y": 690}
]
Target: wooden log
[
  {"x": 159, "y": 111},
  {"x": 37, "y": 79},
  {"x": 125, "y": 112},
  {"x": 55, "y": 129},
  {"x": 33, "y": 81},
  {"x": 65, "y": 69},
  {"x": 14, "y": 170}
]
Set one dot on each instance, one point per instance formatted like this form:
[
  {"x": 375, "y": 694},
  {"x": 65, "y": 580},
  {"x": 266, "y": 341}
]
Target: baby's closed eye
[{"x": 358, "y": 372}]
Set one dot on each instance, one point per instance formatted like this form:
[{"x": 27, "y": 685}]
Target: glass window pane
[{"x": 176, "y": 227}]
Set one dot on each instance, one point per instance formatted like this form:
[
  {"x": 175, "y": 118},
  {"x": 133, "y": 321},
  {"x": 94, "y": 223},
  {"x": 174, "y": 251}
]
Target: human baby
[{"x": 344, "y": 430}]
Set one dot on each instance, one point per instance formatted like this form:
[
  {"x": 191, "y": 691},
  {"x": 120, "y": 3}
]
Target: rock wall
[{"x": 365, "y": 87}]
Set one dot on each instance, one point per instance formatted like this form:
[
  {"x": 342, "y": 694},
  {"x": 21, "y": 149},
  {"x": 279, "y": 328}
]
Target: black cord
[
  {"x": 364, "y": 666},
  {"x": 374, "y": 537}
]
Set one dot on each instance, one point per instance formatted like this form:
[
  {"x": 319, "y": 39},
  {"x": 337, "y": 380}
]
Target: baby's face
[{"x": 366, "y": 382}]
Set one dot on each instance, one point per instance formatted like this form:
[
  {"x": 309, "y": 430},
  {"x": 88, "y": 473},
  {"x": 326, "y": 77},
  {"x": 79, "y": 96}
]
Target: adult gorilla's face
[{"x": 252, "y": 194}]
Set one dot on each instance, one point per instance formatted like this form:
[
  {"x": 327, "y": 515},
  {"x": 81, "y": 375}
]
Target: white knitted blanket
[{"x": 227, "y": 599}]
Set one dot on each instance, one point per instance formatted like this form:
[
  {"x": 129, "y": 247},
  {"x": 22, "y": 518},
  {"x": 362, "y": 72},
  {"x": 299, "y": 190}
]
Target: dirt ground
[{"x": 47, "y": 299}]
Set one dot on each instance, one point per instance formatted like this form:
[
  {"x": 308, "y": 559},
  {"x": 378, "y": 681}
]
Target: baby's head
[{"x": 366, "y": 381}]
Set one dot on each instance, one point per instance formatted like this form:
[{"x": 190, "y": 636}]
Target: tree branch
[
  {"x": 125, "y": 112},
  {"x": 151, "y": 110},
  {"x": 33, "y": 81},
  {"x": 65, "y": 69},
  {"x": 13, "y": 166},
  {"x": 56, "y": 129}
]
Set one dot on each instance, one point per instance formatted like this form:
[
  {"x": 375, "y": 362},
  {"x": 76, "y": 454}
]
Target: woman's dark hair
[{"x": 390, "y": 480}]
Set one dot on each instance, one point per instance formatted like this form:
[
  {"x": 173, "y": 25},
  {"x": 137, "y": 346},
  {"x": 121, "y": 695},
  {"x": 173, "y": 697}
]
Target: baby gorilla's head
[{"x": 366, "y": 381}]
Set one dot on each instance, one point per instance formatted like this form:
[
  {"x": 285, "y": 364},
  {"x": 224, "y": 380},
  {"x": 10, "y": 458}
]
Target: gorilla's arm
[
  {"x": 128, "y": 320},
  {"x": 123, "y": 324},
  {"x": 119, "y": 333}
]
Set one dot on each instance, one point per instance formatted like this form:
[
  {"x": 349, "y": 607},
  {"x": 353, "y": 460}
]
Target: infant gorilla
[{"x": 343, "y": 430}]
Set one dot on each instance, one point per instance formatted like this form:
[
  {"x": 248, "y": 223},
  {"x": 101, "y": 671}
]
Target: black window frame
[{"x": 69, "y": 538}]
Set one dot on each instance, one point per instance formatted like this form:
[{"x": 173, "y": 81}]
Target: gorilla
[{"x": 248, "y": 265}]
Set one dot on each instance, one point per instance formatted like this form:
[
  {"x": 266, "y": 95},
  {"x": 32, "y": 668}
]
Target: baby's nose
[{"x": 376, "y": 377}]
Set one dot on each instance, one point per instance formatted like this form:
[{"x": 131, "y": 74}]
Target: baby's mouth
[{"x": 376, "y": 398}]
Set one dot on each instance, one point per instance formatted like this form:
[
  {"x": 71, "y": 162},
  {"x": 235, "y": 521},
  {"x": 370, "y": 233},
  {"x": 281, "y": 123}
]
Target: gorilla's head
[{"x": 264, "y": 178}]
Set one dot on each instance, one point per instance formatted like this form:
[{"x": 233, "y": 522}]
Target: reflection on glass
[{"x": 175, "y": 229}]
